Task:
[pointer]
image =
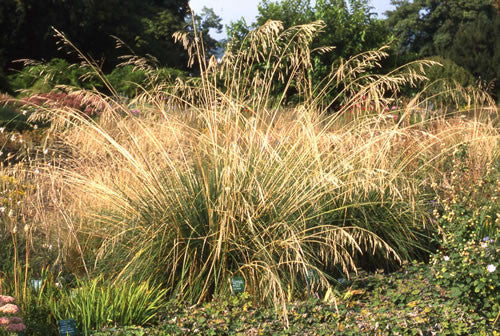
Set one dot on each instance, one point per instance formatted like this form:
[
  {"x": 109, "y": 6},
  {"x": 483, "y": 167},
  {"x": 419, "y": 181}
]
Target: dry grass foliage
[{"x": 215, "y": 178}]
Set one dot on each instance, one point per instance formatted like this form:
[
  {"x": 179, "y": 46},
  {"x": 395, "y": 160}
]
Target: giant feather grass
[{"x": 216, "y": 178}]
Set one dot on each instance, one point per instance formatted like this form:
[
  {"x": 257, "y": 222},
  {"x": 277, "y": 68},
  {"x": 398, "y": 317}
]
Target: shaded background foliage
[
  {"x": 145, "y": 26},
  {"x": 461, "y": 32},
  {"x": 351, "y": 26}
]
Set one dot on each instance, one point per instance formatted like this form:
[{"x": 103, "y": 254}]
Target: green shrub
[
  {"x": 449, "y": 71},
  {"x": 36, "y": 307},
  {"x": 469, "y": 270},
  {"x": 42, "y": 78},
  {"x": 447, "y": 83},
  {"x": 124, "y": 331},
  {"x": 407, "y": 302},
  {"x": 129, "y": 80}
]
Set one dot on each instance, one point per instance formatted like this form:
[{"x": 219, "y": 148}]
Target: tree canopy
[
  {"x": 464, "y": 31},
  {"x": 351, "y": 26},
  {"x": 146, "y": 26}
]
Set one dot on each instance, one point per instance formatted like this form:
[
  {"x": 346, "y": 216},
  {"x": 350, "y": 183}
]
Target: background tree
[
  {"x": 205, "y": 22},
  {"x": 351, "y": 27},
  {"x": 144, "y": 25},
  {"x": 9, "y": 28},
  {"x": 290, "y": 12},
  {"x": 466, "y": 32},
  {"x": 165, "y": 18}
]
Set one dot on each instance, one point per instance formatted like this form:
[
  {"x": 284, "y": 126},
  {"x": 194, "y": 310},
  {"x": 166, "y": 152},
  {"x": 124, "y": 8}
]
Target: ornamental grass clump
[
  {"x": 216, "y": 178},
  {"x": 9, "y": 322},
  {"x": 98, "y": 303}
]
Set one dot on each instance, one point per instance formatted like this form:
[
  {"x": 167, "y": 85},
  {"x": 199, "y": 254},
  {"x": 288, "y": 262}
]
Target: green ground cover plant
[
  {"x": 375, "y": 304},
  {"x": 468, "y": 260}
]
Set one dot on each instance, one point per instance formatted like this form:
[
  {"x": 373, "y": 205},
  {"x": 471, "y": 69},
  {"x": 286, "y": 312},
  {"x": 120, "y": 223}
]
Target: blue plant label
[
  {"x": 67, "y": 327},
  {"x": 36, "y": 284},
  {"x": 237, "y": 284},
  {"x": 311, "y": 275}
]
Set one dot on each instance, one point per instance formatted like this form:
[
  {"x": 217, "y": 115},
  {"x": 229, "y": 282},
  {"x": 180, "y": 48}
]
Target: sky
[{"x": 232, "y": 10}]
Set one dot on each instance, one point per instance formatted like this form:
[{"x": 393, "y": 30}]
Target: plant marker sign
[
  {"x": 67, "y": 327},
  {"x": 311, "y": 279},
  {"x": 311, "y": 276},
  {"x": 36, "y": 284},
  {"x": 237, "y": 284}
]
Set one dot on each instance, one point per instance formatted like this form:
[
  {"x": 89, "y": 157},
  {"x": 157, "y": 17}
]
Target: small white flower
[
  {"x": 37, "y": 171},
  {"x": 1, "y": 153},
  {"x": 446, "y": 258},
  {"x": 24, "y": 112},
  {"x": 491, "y": 268},
  {"x": 484, "y": 245},
  {"x": 2, "y": 129},
  {"x": 35, "y": 126},
  {"x": 45, "y": 151}
]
